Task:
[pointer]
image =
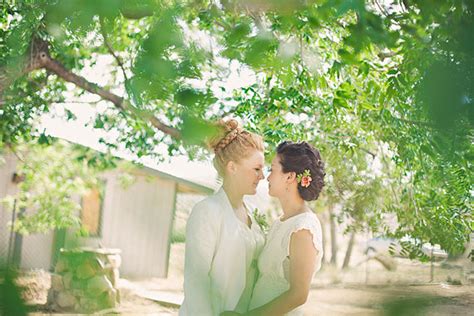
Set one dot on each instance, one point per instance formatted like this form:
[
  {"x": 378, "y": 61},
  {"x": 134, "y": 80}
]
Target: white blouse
[
  {"x": 253, "y": 244},
  {"x": 220, "y": 249},
  {"x": 273, "y": 263}
]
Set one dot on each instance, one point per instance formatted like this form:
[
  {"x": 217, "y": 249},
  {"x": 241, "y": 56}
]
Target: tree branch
[
  {"x": 121, "y": 104},
  {"x": 40, "y": 58},
  {"x": 24, "y": 65},
  {"x": 57, "y": 68},
  {"x": 110, "y": 49},
  {"x": 367, "y": 151},
  {"x": 383, "y": 55}
]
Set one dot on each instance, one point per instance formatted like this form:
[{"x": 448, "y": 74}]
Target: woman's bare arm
[{"x": 303, "y": 256}]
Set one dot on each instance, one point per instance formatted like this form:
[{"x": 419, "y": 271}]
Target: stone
[
  {"x": 61, "y": 265},
  {"x": 75, "y": 258},
  {"x": 51, "y": 296},
  {"x": 118, "y": 297},
  {"x": 65, "y": 299},
  {"x": 115, "y": 260},
  {"x": 109, "y": 299},
  {"x": 79, "y": 284},
  {"x": 99, "y": 284},
  {"x": 88, "y": 305},
  {"x": 57, "y": 282},
  {"x": 77, "y": 306},
  {"x": 54, "y": 307},
  {"x": 85, "y": 270},
  {"x": 78, "y": 293},
  {"x": 86, "y": 280},
  {"x": 67, "y": 280},
  {"x": 114, "y": 276},
  {"x": 99, "y": 264}
]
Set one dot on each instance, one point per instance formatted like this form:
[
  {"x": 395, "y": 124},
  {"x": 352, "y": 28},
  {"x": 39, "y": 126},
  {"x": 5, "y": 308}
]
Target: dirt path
[
  {"x": 334, "y": 292},
  {"x": 436, "y": 299}
]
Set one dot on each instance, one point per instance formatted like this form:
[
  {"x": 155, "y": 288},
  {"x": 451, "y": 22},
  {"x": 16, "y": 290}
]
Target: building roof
[{"x": 184, "y": 186}]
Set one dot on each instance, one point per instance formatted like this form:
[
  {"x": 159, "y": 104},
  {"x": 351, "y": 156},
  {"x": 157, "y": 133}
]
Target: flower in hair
[{"x": 304, "y": 178}]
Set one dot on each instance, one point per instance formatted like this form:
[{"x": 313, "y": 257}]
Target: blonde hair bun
[
  {"x": 232, "y": 143},
  {"x": 231, "y": 125},
  {"x": 228, "y": 131}
]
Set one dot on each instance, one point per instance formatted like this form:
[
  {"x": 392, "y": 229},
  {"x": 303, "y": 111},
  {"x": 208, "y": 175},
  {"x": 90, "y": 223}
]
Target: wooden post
[
  {"x": 14, "y": 252},
  {"x": 17, "y": 245},
  {"x": 12, "y": 236}
]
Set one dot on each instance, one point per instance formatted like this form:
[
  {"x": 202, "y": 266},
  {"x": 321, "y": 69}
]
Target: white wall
[
  {"x": 37, "y": 251},
  {"x": 138, "y": 220}
]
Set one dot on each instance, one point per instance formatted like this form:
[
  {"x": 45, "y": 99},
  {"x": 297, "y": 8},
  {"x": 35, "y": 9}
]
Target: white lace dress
[{"x": 273, "y": 263}]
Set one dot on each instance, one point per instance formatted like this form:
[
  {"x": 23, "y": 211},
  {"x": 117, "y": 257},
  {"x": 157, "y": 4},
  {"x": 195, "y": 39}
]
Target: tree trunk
[
  {"x": 350, "y": 246},
  {"x": 334, "y": 249},
  {"x": 323, "y": 220}
]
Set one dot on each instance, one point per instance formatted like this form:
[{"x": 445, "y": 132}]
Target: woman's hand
[{"x": 229, "y": 313}]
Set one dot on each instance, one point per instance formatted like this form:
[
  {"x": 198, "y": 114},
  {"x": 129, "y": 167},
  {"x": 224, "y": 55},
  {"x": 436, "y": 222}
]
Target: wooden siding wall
[{"x": 138, "y": 220}]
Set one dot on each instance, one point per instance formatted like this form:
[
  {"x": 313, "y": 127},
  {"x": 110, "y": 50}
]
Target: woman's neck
[
  {"x": 235, "y": 198},
  {"x": 292, "y": 206}
]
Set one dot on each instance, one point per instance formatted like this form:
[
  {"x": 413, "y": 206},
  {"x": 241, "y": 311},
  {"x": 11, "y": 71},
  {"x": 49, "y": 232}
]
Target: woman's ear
[
  {"x": 231, "y": 167},
  {"x": 291, "y": 177}
]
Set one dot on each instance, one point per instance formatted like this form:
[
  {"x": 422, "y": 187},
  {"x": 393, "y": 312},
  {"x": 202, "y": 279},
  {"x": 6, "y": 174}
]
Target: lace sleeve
[{"x": 310, "y": 223}]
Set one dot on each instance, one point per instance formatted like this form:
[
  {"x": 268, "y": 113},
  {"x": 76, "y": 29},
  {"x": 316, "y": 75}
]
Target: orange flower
[
  {"x": 306, "y": 181},
  {"x": 304, "y": 178}
]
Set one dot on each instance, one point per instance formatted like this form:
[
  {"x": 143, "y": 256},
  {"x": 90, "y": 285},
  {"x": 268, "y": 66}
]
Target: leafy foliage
[
  {"x": 370, "y": 83},
  {"x": 54, "y": 178}
]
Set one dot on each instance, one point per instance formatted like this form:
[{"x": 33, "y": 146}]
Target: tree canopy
[{"x": 364, "y": 81}]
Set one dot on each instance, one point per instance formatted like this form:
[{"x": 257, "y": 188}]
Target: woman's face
[
  {"x": 277, "y": 179},
  {"x": 248, "y": 172}
]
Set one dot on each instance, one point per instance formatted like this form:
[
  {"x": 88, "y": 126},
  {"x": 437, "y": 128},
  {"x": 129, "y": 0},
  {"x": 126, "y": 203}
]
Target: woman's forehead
[{"x": 256, "y": 158}]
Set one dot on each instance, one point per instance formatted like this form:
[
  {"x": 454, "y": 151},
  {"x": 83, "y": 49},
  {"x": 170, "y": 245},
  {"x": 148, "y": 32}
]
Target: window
[{"x": 91, "y": 213}]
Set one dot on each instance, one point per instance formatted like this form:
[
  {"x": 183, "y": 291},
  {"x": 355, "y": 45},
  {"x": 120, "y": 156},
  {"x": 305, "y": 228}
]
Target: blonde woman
[
  {"x": 293, "y": 249},
  {"x": 223, "y": 240}
]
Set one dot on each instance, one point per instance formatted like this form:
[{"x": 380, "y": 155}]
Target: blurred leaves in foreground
[{"x": 11, "y": 302}]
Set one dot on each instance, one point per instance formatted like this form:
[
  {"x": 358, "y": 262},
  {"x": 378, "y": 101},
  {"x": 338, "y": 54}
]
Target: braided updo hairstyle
[
  {"x": 298, "y": 157},
  {"x": 232, "y": 144}
]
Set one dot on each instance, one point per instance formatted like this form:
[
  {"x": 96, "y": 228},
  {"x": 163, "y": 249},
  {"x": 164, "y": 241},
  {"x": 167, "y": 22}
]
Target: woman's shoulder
[
  {"x": 311, "y": 217},
  {"x": 307, "y": 220},
  {"x": 209, "y": 205},
  {"x": 204, "y": 213}
]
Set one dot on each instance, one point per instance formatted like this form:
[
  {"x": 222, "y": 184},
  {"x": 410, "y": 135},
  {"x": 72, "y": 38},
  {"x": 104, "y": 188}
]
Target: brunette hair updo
[{"x": 298, "y": 157}]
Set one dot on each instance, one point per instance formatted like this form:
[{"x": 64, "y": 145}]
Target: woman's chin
[{"x": 251, "y": 191}]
